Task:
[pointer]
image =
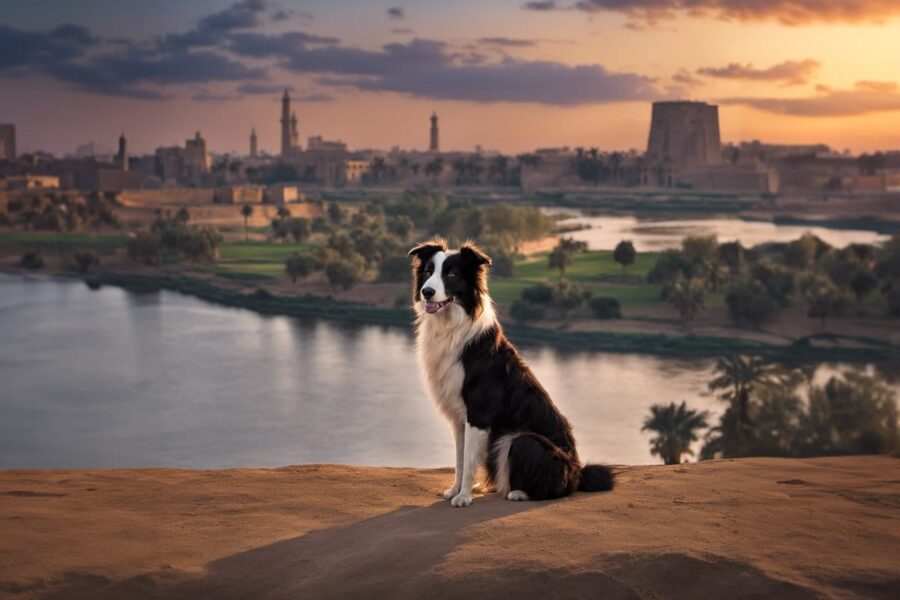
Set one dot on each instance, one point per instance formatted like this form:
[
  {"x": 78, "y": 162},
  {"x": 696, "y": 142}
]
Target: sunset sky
[{"x": 506, "y": 74}]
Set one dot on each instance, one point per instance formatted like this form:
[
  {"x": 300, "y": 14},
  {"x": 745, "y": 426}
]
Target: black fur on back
[{"x": 502, "y": 394}]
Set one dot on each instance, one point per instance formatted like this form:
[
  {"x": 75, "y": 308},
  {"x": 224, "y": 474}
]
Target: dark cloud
[
  {"x": 260, "y": 45},
  {"x": 262, "y": 89},
  {"x": 245, "y": 14},
  {"x": 787, "y": 12},
  {"x": 402, "y": 31},
  {"x": 396, "y": 12},
  {"x": 507, "y": 42},
  {"x": 791, "y": 72},
  {"x": 865, "y": 97},
  {"x": 541, "y": 5},
  {"x": 29, "y": 48}
]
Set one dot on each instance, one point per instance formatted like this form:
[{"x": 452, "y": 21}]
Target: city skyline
[{"x": 525, "y": 75}]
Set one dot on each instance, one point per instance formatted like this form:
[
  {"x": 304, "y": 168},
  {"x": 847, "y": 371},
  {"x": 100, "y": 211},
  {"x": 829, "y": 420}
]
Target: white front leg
[
  {"x": 476, "y": 443},
  {"x": 459, "y": 436}
]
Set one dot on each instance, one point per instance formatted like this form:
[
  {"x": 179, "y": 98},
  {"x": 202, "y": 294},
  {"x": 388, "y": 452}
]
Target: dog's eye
[{"x": 451, "y": 275}]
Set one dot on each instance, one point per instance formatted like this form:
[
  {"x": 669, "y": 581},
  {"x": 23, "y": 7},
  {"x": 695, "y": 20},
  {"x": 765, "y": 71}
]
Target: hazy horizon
[{"x": 507, "y": 75}]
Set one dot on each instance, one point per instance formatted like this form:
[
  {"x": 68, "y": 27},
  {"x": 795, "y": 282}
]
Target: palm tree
[
  {"x": 246, "y": 212},
  {"x": 737, "y": 377},
  {"x": 676, "y": 428}
]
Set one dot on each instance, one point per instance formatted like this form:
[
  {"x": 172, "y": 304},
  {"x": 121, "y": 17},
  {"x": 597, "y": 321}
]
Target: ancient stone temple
[{"x": 684, "y": 134}]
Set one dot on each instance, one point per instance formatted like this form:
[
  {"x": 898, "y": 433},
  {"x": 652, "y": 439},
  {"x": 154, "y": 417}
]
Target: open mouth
[{"x": 433, "y": 307}]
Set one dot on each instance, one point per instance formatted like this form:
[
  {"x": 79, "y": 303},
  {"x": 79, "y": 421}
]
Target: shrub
[
  {"x": 605, "y": 308},
  {"x": 299, "y": 228},
  {"x": 146, "y": 247},
  {"x": 32, "y": 260},
  {"x": 86, "y": 260},
  {"x": 749, "y": 303},
  {"x": 538, "y": 294},
  {"x": 501, "y": 264},
  {"x": 568, "y": 296},
  {"x": 669, "y": 266},
  {"x": 301, "y": 265},
  {"x": 524, "y": 311},
  {"x": 345, "y": 272},
  {"x": 778, "y": 280}
]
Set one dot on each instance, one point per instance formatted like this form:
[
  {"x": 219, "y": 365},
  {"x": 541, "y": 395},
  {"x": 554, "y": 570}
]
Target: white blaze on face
[{"x": 436, "y": 281}]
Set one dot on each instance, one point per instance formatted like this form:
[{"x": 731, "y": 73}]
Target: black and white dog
[{"x": 500, "y": 414}]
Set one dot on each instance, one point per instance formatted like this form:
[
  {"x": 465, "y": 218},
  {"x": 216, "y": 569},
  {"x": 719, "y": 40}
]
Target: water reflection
[
  {"x": 111, "y": 379},
  {"x": 660, "y": 233}
]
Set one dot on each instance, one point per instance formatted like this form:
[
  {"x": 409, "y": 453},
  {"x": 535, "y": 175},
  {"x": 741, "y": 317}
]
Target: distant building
[
  {"x": 434, "y": 143},
  {"x": 287, "y": 138},
  {"x": 239, "y": 194},
  {"x": 7, "y": 142},
  {"x": 684, "y": 134},
  {"x": 122, "y": 156},
  {"x": 94, "y": 150},
  {"x": 355, "y": 170},
  {"x": 31, "y": 182},
  {"x": 253, "y": 153},
  {"x": 196, "y": 159},
  {"x": 282, "y": 194}
]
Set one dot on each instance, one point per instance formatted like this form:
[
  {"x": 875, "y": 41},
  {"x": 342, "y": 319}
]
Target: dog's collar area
[{"x": 433, "y": 307}]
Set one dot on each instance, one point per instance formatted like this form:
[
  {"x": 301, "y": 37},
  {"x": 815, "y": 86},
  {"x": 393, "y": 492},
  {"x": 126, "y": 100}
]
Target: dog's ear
[
  {"x": 426, "y": 250},
  {"x": 473, "y": 253}
]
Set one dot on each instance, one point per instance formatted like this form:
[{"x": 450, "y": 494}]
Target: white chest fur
[{"x": 440, "y": 341}]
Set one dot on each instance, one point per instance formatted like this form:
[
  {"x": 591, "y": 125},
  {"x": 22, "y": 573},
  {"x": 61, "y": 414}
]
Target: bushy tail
[{"x": 596, "y": 478}]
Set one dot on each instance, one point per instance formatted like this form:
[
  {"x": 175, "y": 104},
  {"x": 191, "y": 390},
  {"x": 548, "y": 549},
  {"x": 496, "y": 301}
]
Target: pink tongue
[{"x": 431, "y": 307}]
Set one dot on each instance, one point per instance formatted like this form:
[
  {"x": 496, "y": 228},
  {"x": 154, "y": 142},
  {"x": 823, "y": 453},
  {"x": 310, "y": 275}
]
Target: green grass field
[
  {"x": 593, "y": 268},
  {"x": 254, "y": 260}
]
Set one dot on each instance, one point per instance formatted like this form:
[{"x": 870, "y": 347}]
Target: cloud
[
  {"x": 865, "y": 97},
  {"x": 542, "y": 5},
  {"x": 396, "y": 12},
  {"x": 402, "y": 31},
  {"x": 245, "y": 14},
  {"x": 263, "y": 89},
  {"x": 260, "y": 45},
  {"x": 507, "y": 42},
  {"x": 29, "y": 48},
  {"x": 787, "y": 12},
  {"x": 791, "y": 72}
]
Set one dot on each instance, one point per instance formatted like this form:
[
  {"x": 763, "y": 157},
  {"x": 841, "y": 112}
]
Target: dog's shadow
[{"x": 385, "y": 556}]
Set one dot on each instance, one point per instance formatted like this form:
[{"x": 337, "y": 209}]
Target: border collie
[{"x": 501, "y": 416}]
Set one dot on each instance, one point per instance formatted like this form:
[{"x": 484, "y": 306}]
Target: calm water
[
  {"x": 111, "y": 379},
  {"x": 108, "y": 378},
  {"x": 661, "y": 233}
]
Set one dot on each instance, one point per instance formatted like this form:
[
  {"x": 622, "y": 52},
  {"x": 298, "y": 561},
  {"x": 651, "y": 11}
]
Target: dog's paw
[
  {"x": 517, "y": 496},
  {"x": 461, "y": 500},
  {"x": 450, "y": 492}
]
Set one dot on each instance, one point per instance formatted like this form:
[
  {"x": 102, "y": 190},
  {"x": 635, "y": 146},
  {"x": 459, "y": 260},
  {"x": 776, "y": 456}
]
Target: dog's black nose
[{"x": 428, "y": 293}]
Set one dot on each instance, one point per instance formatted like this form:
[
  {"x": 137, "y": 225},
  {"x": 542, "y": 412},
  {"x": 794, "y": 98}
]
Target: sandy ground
[{"x": 754, "y": 528}]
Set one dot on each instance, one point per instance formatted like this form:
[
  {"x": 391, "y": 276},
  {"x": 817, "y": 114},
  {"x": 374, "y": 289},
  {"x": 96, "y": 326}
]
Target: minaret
[
  {"x": 285, "y": 124},
  {"x": 122, "y": 156},
  {"x": 295, "y": 135},
  {"x": 434, "y": 146},
  {"x": 253, "y": 143}
]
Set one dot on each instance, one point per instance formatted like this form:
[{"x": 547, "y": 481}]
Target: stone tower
[
  {"x": 253, "y": 143},
  {"x": 122, "y": 156},
  {"x": 295, "y": 135},
  {"x": 434, "y": 146},
  {"x": 684, "y": 134},
  {"x": 286, "y": 124}
]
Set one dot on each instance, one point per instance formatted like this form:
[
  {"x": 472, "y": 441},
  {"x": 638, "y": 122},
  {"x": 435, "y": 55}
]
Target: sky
[{"x": 508, "y": 75}]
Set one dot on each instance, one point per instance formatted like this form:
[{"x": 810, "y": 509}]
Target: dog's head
[{"x": 444, "y": 279}]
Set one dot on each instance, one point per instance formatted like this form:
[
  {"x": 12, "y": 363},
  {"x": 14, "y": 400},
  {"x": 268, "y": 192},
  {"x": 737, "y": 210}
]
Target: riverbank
[
  {"x": 816, "y": 347},
  {"x": 738, "y": 528}
]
